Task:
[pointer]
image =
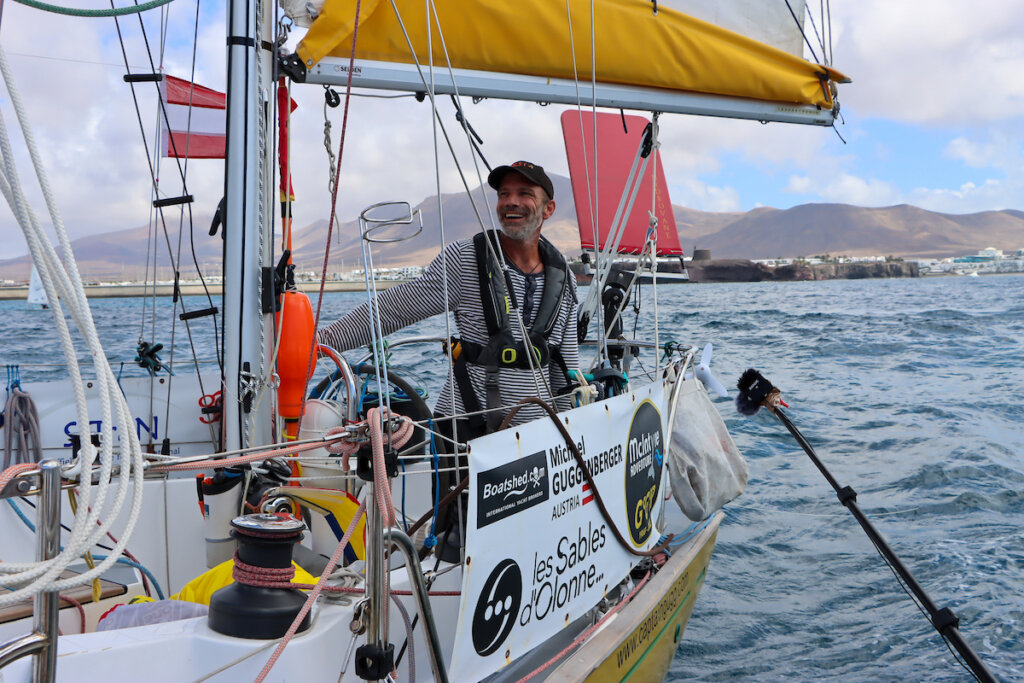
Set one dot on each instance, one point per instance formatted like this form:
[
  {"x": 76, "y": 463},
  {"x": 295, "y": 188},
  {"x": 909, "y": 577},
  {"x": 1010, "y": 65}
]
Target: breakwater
[{"x": 743, "y": 270}]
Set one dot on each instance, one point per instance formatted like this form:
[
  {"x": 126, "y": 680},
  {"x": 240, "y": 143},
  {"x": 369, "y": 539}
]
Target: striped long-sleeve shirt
[{"x": 423, "y": 297}]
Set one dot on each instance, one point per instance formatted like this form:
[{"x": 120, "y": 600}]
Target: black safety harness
[{"x": 502, "y": 349}]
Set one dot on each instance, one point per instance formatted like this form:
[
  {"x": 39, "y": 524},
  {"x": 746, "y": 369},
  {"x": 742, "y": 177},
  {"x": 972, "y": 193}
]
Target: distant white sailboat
[{"x": 36, "y": 293}]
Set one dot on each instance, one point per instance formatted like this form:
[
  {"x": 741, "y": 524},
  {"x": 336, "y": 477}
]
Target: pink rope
[
  {"x": 239, "y": 460},
  {"x": 346, "y": 448},
  {"x": 263, "y": 577},
  {"x": 313, "y": 595},
  {"x": 349, "y": 590},
  {"x": 381, "y": 485},
  {"x": 586, "y": 634},
  {"x": 14, "y": 470},
  {"x": 342, "y": 447},
  {"x": 81, "y": 610}
]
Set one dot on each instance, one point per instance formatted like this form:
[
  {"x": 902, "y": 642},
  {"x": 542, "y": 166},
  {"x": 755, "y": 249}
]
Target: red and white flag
[{"x": 200, "y": 134}]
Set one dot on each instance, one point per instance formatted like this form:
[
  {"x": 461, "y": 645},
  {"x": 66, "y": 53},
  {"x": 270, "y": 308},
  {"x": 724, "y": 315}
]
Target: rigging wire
[
  {"x": 536, "y": 373},
  {"x": 802, "y": 32},
  {"x": 820, "y": 36},
  {"x": 591, "y": 179},
  {"x": 652, "y": 232},
  {"x": 434, "y": 119},
  {"x": 334, "y": 190},
  {"x": 175, "y": 260},
  {"x": 151, "y": 248},
  {"x": 828, "y": 23},
  {"x": 593, "y": 112},
  {"x": 494, "y": 250}
]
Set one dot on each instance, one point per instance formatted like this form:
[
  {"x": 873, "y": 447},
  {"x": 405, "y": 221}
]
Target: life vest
[{"x": 502, "y": 349}]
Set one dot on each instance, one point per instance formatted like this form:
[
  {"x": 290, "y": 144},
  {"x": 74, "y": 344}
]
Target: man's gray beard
[{"x": 525, "y": 233}]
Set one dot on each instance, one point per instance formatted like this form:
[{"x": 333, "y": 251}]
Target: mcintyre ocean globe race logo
[{"x": 645, "y": 456}]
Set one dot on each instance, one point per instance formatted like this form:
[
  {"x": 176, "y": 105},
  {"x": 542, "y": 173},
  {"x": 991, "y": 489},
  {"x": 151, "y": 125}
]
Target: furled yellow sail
[{"x": 635, "y": 45}]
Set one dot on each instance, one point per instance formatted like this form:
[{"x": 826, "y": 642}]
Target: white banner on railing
[{"x": 539, "y": 553}]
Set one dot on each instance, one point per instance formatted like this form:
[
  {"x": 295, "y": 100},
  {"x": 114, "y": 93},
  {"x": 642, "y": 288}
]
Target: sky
[{"x": 934, "y": 117}]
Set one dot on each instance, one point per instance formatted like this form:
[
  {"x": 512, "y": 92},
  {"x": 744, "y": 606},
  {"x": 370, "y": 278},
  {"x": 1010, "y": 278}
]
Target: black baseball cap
[{"x": 532, "y": 172}]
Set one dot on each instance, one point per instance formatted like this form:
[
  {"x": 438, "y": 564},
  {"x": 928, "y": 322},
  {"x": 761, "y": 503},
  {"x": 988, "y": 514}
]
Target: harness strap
[
  {"x": 493, "y": 292},
  {"x": 556, "y": 355},
  {"x": 502, "y": 349},
  {"x": 493, "y": 392},
  {"x": 556, "y": 279},
  {"x": 477, "y": 422}
]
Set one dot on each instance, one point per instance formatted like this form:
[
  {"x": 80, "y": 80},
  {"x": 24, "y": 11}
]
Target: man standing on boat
[{"x": 492, "y": 370}]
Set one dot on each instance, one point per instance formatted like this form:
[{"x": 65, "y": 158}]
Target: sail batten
[{"x": 637, "y": 51}]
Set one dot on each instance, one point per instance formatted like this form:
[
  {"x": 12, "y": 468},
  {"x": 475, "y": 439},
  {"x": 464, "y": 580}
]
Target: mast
[{"x": 248, "y": 223}]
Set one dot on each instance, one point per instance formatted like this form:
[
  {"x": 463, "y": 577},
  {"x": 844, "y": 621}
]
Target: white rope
[{"x": 64, "y": 290}]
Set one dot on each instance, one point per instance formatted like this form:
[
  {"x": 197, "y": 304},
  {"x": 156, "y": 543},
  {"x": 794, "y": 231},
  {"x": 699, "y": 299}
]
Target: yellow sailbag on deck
[{"x": 635, "y": 46}]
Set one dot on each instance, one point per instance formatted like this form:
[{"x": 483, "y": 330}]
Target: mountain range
[{"x": 805, "y": 230}]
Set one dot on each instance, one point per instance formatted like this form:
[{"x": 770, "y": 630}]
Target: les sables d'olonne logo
[{"x": 497, "y": 607}]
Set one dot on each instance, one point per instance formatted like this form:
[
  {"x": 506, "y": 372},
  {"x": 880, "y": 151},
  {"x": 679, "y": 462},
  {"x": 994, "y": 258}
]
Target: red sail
[{"x": 616, "y": 149}]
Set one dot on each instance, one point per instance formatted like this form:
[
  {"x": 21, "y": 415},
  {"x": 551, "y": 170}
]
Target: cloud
[
  {"x": 693, "y": 193},
  {"x": 846, "y": 189},
  {"x": 930, "y": 61},
  {"x": 991, "y": 194},
  {"x": 996, "y": 150},
  {"x": 969, "y": 197}
]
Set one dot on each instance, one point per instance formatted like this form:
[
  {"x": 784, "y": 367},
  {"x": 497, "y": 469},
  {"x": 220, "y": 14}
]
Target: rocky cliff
[{"x": 742, "y": 270}]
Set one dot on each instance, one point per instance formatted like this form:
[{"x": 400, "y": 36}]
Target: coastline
[
  {"x": 112, "y": 291},
  {"x": 136, "y": 290}
]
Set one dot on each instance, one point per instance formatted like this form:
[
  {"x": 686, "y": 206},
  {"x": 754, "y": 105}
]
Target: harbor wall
[{"x": 133, "y": 290}]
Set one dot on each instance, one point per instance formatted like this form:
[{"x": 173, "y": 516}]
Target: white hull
[{"x": 169, "y": 541}]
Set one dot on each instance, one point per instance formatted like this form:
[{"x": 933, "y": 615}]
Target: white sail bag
[{"x": 705, "y": 468}]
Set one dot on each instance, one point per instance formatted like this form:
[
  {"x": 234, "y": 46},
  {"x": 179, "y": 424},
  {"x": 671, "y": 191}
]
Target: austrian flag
[{"x": 199, "y": 135}]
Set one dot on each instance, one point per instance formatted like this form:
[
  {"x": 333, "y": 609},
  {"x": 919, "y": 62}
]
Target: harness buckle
[
  {"x": 538, "y": 355},
  {"x": 452, "y": 347}
]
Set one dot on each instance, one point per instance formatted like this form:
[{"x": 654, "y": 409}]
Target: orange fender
[{"x": 295, "y": 364}]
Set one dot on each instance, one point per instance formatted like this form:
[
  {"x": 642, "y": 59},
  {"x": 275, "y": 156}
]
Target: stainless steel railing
[{"x": 41, "y": 642}]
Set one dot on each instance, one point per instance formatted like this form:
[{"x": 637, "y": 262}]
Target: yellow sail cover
[{"x": 635, "y": 46}]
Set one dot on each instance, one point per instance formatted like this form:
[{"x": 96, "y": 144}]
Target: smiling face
[{"x": 522, "y": 207}]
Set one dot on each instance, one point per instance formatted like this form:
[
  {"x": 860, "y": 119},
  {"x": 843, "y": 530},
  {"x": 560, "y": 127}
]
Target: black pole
[{"x": 755, "y": 390}]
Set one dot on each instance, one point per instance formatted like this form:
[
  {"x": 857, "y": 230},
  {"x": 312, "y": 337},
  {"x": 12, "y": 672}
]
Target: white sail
[
  {"x": 36, "y": 293},
  {"x": 778, "y": 23}
]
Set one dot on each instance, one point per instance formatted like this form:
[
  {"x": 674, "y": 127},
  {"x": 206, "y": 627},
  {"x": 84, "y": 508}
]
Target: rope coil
[{"x": 263, "y": 577}]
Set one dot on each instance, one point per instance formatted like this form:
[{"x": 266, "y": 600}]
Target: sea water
[{"x": 910, "y": 391}]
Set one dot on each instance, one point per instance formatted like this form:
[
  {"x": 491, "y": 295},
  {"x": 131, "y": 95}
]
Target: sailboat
[
  {"x": 597, "y": 571},
  {"x": 36, "y": 293}
]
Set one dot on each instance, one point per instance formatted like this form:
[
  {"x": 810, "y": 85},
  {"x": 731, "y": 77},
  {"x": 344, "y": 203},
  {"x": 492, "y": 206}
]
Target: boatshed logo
[
  {"x": 497, "y": 607},
  {"x": 507, "y": 489},
  {"x": 644, "y": 459}
]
